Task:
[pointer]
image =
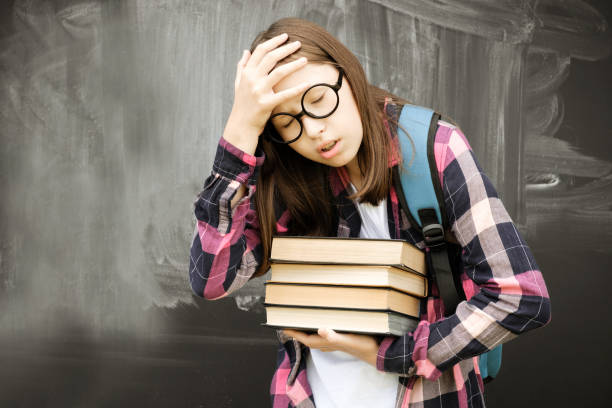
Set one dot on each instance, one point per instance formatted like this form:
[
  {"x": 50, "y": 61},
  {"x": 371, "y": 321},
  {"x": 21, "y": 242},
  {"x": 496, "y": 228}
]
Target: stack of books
[{"x": 357, "y": 285}]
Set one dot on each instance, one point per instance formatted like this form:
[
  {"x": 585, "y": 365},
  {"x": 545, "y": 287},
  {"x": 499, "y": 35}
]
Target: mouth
[
  {"x": 327, "y": 146},
  {"x": 330, "y": 149}
]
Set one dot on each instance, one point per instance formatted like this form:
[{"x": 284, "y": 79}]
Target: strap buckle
[{"x": 433, "y": 235}]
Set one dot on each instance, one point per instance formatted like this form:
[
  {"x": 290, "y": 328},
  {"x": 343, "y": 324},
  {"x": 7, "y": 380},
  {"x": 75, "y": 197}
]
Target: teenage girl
[{"x": 308, "y": 149}]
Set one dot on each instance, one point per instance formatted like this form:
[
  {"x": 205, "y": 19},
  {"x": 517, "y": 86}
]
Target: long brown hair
[{"x": 301, "y": 184}]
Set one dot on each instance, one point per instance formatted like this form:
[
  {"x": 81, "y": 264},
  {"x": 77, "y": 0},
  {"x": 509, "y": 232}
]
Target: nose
[{"x": 313, "y": 127}]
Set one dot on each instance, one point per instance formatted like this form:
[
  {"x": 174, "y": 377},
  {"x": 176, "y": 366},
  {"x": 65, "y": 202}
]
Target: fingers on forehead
[{"x": 272, "y": 42}]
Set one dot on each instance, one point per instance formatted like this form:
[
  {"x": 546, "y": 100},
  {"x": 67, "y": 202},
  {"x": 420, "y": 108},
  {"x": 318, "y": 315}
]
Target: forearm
[
  {"x": 506, "y": 294},
  {"x": 226, "y": 249},
  {"x": 239, "y": 194}
]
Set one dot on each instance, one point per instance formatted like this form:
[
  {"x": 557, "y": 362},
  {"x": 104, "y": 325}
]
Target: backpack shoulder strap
[
  {"x": 419, "y": 177},
  {"x": 420, "y": 194}
]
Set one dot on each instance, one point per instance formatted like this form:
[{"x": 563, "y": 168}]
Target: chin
[{"x": 338, "y": 161}]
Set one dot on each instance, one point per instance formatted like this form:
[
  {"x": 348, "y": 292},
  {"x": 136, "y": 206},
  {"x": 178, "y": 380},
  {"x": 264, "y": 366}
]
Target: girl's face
[{"x": 342, "y": 127}]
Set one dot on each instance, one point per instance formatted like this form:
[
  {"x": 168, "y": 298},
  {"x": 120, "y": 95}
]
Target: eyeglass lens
[{"x": 319, "y": 101}]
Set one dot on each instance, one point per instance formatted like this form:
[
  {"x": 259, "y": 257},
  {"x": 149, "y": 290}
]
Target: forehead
[{"x": 311, "y": 72}]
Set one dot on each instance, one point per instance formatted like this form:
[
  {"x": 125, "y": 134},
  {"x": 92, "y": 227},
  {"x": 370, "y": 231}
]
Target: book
[
  {"x": 360, "y": 275},
  {"x": 360, "y": 251},
  {"x": 310, "y": 319},
  {"x": 345, "y": 297}
]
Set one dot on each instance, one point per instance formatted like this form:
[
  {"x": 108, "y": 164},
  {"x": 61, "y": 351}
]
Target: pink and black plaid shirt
[{"x": 437, "y": 362}]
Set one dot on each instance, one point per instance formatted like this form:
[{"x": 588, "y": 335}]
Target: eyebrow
[
  {"x": 274, "y": 111},
  {"x": 299, "y": 103}
]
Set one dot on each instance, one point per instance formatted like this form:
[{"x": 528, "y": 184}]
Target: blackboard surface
[{"x": 110, "y": 112}]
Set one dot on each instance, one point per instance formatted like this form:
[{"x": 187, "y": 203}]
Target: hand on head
[{"x": 254, "y": 97}]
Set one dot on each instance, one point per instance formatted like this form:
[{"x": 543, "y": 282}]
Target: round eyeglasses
[{"x": 318, "y": 101}]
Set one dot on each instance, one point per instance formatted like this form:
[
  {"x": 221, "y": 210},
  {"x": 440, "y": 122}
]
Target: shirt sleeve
[
  {"x": 505, "y": 289},
  {"x": 226, "y": 247}
]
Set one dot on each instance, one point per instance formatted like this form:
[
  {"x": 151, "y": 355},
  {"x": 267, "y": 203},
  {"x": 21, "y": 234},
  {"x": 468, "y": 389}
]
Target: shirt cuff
[
  {"x": 382, "y": 350},
  {"x": 235, "y": 164}
]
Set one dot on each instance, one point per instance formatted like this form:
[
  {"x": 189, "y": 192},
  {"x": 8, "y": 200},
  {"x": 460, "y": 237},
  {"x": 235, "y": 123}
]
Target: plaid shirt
[{"x": 437, "y": 362}]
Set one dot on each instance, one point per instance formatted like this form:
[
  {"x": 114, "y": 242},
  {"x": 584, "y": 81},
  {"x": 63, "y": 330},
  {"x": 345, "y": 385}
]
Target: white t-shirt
[{"x": 338, "y": 379}]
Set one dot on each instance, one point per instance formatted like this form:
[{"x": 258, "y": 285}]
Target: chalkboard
[{"x": 110, "y": 113}]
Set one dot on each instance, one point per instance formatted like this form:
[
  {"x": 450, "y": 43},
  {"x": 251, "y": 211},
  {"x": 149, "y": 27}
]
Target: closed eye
[{"x": 318, "y": 100}]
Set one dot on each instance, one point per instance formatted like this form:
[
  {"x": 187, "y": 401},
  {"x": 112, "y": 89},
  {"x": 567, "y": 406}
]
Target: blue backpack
[{"x": 420, "y": 195}]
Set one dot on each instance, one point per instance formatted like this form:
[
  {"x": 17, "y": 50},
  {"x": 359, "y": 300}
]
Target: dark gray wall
[{"x": 110, "y": 112}]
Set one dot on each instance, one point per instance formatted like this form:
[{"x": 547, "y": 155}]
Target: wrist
[{"x": 243, "y": 137}]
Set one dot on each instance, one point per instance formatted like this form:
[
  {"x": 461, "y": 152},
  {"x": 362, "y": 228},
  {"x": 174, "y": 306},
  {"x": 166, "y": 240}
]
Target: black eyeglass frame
[{"x": 297, "y": 116}]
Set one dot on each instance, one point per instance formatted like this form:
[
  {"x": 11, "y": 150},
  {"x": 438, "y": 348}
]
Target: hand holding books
[{"x": 361, "y": 346}]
